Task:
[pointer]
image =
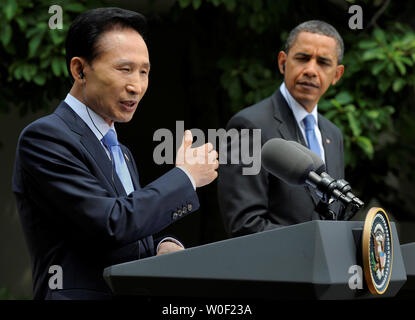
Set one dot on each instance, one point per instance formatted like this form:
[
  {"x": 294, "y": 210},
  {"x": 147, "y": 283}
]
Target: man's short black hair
[
  {"x": 86, "y": 29},
  {"x": 319, "y": 27}
]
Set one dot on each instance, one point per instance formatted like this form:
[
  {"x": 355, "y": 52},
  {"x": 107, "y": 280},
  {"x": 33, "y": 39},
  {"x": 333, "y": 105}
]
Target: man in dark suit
[
  {"x": 77, "y": 189},
  {"x": 310, "y": 64}
]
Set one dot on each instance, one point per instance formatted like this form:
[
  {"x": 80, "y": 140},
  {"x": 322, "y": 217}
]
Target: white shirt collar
[
  {"x": 298, "y": 110},
  {"x": 94, "y": 121}
]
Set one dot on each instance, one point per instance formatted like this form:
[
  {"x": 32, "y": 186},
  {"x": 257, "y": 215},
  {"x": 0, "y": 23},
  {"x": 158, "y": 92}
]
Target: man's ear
[
  {"x": 338, "y": 74},
  {"x": 282, "y": 59},
  {"x": 77, "y": 68}
]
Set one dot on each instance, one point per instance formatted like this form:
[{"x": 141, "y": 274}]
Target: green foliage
[
  {"x": 33, "y": 55},
  {"x": 246, "y": 81},
  {"x": 373, "y": 102},
  {"x": 245, "y": 76},
  {"x": 230, "y": 4},
  {"x": 378, "y": 67},
  {"x": 5, "y": 294},
  {"x": 257, "y": 15}
]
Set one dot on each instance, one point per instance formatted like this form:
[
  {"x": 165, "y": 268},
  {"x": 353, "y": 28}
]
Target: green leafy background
[
  {"x": 372, "y": 103},
  {"x": 219, "y": 56}
]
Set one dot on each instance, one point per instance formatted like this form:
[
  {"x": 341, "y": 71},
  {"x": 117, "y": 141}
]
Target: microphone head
[
  {"x": 319, "y": 165},
  {"x": 286, "y": 162}
]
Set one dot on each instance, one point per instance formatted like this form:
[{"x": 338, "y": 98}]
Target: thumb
[
  {"x": 187, "y": 139},
  {"x": 186, "y": 143}
]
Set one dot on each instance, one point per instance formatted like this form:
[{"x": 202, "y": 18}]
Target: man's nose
[
  {"x": 136, "y": 86},
  {"x": 311, "y": 69}
]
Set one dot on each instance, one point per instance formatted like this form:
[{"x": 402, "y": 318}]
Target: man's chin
[
  {"x": 124, "y": 118},
  {"x": 306, "y": 102}
]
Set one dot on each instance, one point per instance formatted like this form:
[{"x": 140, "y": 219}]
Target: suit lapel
[
  {"x": 286, "y": 124},
  {"x": 288, "y": 129},
  {"x": 91, "y": 143}
]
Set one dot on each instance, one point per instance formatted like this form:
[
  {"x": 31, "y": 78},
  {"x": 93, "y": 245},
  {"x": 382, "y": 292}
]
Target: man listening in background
[
  {"x": 310, "y": 63},
  {"x": 77, "y": 188}
]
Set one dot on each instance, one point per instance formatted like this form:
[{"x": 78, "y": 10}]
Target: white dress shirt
[{"x": 300, "y": 113}]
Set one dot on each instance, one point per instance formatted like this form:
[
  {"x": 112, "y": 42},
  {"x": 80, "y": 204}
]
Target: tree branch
[{"x": 378, "y": 14}]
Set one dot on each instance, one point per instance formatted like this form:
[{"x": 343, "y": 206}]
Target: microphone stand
[
  {"x": 351, "y": 209},
  {"x": 327, "y": 189}
]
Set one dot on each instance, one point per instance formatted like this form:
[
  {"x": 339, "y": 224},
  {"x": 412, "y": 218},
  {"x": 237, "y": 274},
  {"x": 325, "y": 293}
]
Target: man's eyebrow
[
  {"x": 320, "y": 58},
  {"x": 302, "y": 54},
  {"x": 129, "y": 62},
  {"x": 325, "y": 59}
]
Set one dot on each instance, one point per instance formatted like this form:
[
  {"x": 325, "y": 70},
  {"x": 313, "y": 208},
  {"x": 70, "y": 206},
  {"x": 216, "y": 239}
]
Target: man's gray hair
[{"x": 319, "y": 27}]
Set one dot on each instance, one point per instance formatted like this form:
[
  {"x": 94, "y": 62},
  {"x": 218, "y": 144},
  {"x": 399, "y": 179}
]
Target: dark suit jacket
[
  {"x": 253, "y": 203},
  {"x": 75, "y": 212}
]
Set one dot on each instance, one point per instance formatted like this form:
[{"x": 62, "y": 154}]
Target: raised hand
[{"x": 201, "y": 162}]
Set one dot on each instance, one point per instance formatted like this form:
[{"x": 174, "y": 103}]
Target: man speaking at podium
[
  {"x": 77, "y": 188},
  {"x": 310, "y": 63}
]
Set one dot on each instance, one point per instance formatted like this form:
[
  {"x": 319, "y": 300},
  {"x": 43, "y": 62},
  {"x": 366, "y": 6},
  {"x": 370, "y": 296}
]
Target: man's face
[
  {"x": 310, "y": 67},
  {"x": 117, "y": 78}
]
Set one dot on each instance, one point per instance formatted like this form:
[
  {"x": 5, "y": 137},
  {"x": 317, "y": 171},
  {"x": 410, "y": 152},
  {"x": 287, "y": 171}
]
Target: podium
[
  {"x": 408, "y": 253},
  {"x": 312, "y": 260}
]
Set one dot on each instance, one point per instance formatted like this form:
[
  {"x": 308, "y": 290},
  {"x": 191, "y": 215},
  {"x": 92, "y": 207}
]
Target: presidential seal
[{"x": 377, "y": 248}]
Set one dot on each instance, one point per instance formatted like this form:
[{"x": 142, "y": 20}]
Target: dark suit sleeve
[
  {"x": 59, "y": 180},
  {"x": 243, "y": 199}
]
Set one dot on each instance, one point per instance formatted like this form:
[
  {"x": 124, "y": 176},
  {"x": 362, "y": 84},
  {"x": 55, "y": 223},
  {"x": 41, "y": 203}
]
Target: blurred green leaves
[
  {"x": 378, "y": 66},
  {"x": 246, "y": 81},
  {"x": 9, "y": 9},
  {"x": 33, "y": 55},
  {"x": 257, "y": 15}
]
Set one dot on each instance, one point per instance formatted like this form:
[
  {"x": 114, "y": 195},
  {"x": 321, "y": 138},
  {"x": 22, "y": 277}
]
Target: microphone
[
  {"x": 295, "y": 166},
  {"x": 319, "y": 165},
  {"x": 286, "y": 162},
  {"x": 342, "y": 185}
]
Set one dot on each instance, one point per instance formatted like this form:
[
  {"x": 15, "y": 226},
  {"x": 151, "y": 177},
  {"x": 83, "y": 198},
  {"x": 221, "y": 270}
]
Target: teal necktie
[
  {"x": 110, "y": 140},
  {"x": 310, "y": 133}
]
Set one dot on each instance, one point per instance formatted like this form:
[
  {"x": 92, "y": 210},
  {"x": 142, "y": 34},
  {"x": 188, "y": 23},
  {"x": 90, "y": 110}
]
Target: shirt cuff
[
  {"x": 190, "y": 177},
  {"x": 171, "y": 240}
]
